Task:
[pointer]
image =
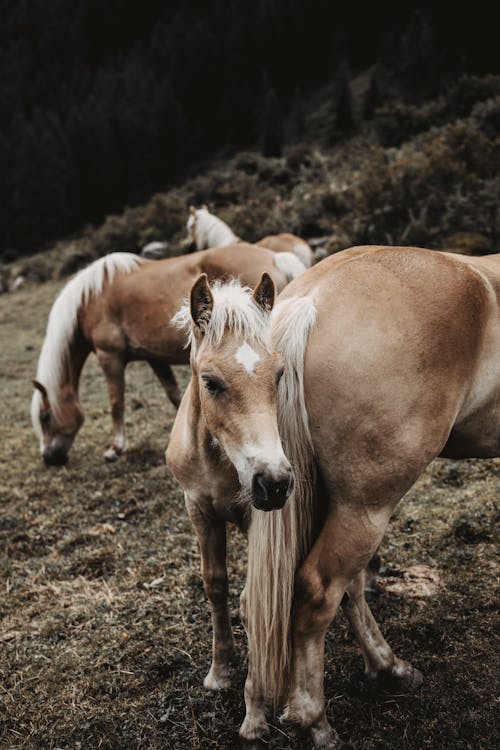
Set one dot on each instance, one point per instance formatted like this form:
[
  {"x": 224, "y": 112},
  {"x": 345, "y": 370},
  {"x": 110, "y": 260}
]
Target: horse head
[
  {"x": 194, "y": 241},
  {"x": 236, "y": 376},
  {"x": 56, "y": 425}
]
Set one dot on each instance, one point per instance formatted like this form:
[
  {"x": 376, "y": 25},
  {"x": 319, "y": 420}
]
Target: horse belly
[
  {"x": 476, "y": 433},
  {"x": 478, "y": 437}
]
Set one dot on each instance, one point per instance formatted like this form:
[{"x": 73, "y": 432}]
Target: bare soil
[{"x": 105, "y": 631}]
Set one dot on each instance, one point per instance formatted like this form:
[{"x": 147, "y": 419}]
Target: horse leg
[
  {"x": 165, "y": 375},
  {"x": 113, "y": 367},
  {"x": 254, "y": 726},
  {"x": 381, "y": 663},
  {"x": 211, "y": 534},
  {"x": 349, "y": 538},
  {"x": 372, "y": 571}
]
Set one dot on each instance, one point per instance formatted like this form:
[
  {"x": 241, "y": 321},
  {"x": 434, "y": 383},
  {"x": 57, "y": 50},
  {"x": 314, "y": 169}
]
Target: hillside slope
[{"x": 411, "y": 174}]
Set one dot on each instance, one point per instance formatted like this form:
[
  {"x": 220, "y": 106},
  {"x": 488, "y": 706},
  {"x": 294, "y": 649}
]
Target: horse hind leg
[
  {"x": 113, "y": 366},
  {"x": 165, "y": 375},
  {"x": 343, "y": 548},
  {"x": 381, "y": 664}
]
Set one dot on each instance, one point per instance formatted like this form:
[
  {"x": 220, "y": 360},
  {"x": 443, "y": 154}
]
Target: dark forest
[{"x": 103, "y": 104}]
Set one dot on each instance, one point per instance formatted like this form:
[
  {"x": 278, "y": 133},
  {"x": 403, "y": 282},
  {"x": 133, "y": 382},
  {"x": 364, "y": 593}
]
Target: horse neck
[
  {"x": 76, "y": 356},
  {"x": 79, "y": 351},
  {"x": 195, "y": 442}
]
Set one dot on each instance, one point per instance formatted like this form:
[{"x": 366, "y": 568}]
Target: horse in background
[
  {"x": 372, "y": 363},
  {"x": 120, "y": 308},
  {"x": 207, "y": 230}
]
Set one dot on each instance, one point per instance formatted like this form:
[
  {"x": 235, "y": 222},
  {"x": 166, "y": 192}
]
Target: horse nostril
[{"x": 269, "y": 493}]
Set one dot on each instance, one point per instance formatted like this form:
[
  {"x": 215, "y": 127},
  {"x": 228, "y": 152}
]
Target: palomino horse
[
  {"x": 326, "y": 410},
  {"x": 207, "y": 230},
  {"x": 117, "y": 307}
]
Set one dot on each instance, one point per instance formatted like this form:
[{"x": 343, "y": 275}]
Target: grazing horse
[
  {"x": 207, "y": 230},
  {"x": 325, "y": 410},
  {"x": 117, "y": 308}
]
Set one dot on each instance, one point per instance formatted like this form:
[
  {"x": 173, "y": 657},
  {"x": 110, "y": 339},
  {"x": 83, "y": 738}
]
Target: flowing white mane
[
  {"x": 210, "y": 231},
  {"x": 233, "y": 309},
  {"x": 62, "y": 323}
]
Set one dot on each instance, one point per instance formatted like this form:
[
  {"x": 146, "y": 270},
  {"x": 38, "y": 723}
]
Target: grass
[{"x": 105, "y": 631}]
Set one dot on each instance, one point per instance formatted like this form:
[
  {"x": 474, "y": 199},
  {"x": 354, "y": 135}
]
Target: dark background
[{"x": 104, "y": 103}]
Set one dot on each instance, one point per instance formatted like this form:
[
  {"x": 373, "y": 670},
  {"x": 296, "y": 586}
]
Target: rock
[
  {"x": 155, "y": 250},
  {"x": 18, "y": 282}
]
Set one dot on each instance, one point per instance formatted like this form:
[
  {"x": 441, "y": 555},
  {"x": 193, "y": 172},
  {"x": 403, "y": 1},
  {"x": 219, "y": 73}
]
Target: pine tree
[{"x": 272, "y": 125}]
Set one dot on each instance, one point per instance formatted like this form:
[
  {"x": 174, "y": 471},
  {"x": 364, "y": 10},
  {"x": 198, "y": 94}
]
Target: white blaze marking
[{"x": 247, "y": 357}]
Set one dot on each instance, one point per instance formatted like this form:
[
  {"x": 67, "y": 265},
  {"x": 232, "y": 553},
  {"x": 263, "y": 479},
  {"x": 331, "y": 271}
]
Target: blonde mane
[
  {"x": 62, "y": 322},
  {"x": 233, "y": 309},
  {"x": 279, "y": 541}
]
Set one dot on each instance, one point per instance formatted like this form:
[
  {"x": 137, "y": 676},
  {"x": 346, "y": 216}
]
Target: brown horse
[
  {"x": 120, "y": 307},
  {"x": 391, "y": 357}
]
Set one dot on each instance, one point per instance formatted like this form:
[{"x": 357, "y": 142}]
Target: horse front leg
[
  {"x": 165, "y": 375},
  {"x": 381, "y": 663},
  {"x": 113, "y": 367},
  {"x": 211, "y": 534},
  {"x": 341, "y": 551}
]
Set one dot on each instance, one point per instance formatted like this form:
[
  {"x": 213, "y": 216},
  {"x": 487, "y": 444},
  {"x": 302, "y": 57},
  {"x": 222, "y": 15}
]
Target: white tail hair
[
  {"x": 279, "y": 540},
  {"x": 304, "y": 253},
  {"x": 62, "y": 322},
  {"x": 290, "y": 265}
]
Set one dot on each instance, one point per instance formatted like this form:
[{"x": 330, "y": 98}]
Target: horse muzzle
[
  {"x": 269, "y": 492},
  {"x": 55, "y": 457}
]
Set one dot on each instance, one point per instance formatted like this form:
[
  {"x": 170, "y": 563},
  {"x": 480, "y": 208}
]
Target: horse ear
[
  {"x": 43, "y": 391},
  {"x": 202, "y": 301},
  {"x": 192, "y": 210},
  {"x": 205, "y": 207},
  {"x": 264, "y": 293}
]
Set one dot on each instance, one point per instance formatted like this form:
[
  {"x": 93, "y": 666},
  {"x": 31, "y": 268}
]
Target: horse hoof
[
  {"x": 403, "y": 678},
  {"x": 252, "y": 731},
  {"x": 216, "y": 682},
  {"x": 112, "y": 455}
]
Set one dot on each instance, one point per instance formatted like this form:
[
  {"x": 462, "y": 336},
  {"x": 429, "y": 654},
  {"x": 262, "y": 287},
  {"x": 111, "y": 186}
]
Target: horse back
[{"x": 405, "y": 352}]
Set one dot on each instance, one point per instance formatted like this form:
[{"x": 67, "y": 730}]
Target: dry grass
[{"x": 105, "y": 633}]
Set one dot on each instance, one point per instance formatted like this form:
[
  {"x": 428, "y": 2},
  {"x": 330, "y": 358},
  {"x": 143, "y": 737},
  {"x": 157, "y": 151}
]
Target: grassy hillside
[
  {"x": 104, "y": 628},
  {"x": 411, "y": 174}
]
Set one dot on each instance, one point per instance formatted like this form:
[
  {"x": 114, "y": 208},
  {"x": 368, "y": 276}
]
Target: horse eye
[
  {"x": 45, "y": 418},
  {"x": 213, "y": 385}
]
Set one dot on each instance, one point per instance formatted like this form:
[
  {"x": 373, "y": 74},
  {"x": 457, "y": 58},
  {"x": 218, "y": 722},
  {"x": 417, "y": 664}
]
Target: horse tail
[
  {"x": 304, "y": 253},
  {"x": 289, "y": 265},
  {"x": 280, "y": 540}
]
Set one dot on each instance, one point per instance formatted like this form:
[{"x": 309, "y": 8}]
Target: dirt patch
[{"x": 105, "y": 631}]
